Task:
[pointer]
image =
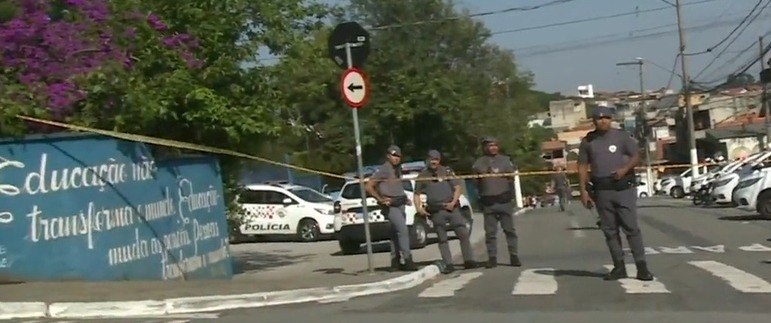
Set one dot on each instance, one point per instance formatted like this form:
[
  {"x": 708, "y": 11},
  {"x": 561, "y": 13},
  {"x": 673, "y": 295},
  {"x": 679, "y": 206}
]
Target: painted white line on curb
[
  {"x": 321, "y": 295},
  {"x": 22, "y": 310},
  {"x": 106, "y": 309},
  {"x": 172, "y": 307}
]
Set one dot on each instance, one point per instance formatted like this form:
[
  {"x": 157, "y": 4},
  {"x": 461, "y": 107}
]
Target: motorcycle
[{"x": 703, "y": 196}]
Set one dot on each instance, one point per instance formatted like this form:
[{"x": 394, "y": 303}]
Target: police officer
[
  {"x": 611, "y": 155},
  {"x": 495, "y": 197},
  {"x": 386, "y": 187},
  {"x": 442, "y": 205},
  {"x": 561, "y": 186}
]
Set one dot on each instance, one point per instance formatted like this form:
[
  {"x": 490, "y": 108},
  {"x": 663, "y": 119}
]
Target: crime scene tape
[{"x": 221, "y": 151}]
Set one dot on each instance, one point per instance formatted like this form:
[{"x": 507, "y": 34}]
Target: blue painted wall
[{"x": 93, "y": 208}]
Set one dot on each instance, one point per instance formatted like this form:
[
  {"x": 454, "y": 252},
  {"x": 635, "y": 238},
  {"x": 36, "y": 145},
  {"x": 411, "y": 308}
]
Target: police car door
[
  {"x": 282, "y": 210},
  {"x": 254, "y": 213}
]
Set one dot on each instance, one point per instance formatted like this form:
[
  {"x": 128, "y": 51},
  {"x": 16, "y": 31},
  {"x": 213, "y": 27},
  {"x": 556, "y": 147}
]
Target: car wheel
[
  {"x": 235, "y": 236},
  {"x": 466, "y": 212},
  {"x": 678, "y": 192},
  {"x": 418, "y": 234},
  {"x": 643, "y": 195},
  {"x": 764, "y": 204},
  {"x": 349, "y": 247},
  {"x": 308, "y": 230}
]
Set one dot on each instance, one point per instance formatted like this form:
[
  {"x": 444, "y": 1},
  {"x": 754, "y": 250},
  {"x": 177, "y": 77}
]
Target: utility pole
[
  {"x": 764, "y": 95},
  {"x": 643, "y": 117},
  {"x": 687, "y": 93}
]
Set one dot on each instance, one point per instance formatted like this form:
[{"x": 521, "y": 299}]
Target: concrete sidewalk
[{"x": 266, "y": 274}]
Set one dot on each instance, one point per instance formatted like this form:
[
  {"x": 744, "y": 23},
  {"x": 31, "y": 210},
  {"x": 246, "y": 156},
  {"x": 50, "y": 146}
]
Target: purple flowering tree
[
  {"x": 146, "y": 66},
  {"x": 158, "y": 68}
]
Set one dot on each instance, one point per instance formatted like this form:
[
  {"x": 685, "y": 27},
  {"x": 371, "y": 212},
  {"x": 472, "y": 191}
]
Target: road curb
[
  {"x": 212, "y": 303},
  {"x": 200, "y": 304},
  {"x": 22, "y": 310}
]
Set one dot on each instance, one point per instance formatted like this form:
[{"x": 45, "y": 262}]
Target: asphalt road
[{"x": 710, "y": 266}]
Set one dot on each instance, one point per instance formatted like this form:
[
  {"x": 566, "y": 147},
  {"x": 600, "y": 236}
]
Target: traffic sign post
[{"x": 349, "y": 44}]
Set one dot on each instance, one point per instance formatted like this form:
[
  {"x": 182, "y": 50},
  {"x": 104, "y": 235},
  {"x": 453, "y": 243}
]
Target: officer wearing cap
[
  {"x": 442, "y": 205},
  {"x": 611, "y": 155},
  {"x": 386, "y": 187},
  {"x": 495, "y": 197}
]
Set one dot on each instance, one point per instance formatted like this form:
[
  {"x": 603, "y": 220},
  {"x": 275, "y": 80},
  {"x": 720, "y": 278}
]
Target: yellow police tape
[{"x": 215, "y": 150}]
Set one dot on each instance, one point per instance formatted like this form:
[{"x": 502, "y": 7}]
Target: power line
[
  {"x": 564, "y": 23},
  {"x": 610, "y": 38},
  {"x": 714, "y": 59},
  {"x": 732, "y": 31},
  {"x": 479, "y": 14},
  {"x": 740, "y": 53}
]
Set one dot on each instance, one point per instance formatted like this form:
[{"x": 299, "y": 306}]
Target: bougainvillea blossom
[{"x": 48, "y": 45}]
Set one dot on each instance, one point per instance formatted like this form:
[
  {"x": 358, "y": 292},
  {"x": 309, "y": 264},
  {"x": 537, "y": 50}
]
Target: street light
[{"x": 642, "y": 115}]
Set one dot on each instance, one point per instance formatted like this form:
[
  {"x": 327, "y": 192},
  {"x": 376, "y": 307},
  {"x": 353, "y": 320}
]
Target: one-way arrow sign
[{"x": 355, "y": 87}]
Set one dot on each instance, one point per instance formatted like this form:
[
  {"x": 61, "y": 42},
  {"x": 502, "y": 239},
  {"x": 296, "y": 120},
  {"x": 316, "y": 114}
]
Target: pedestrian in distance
[
  {"x": 386, "y": 187},
  {"x": 443, "y": 207},
  {"x": 496, "y": 192},
  {"x": 561, "y": 186},
  {"x": 611, "y": 155}
]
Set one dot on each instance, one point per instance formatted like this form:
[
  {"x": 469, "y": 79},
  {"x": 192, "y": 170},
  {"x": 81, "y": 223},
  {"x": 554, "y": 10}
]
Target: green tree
[{"x": 176, "y": 70}]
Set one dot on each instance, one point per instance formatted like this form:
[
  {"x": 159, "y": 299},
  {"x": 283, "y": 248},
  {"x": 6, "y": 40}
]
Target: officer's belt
[{"x": 609, "y": 183}]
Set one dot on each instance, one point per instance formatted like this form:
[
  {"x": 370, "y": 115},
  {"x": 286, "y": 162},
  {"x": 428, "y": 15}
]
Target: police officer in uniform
[
  {"x": 611, "y": 155},
  {"x": 495, "y": 197},
  {"x": 442, "y": 205},
  {"x": 386, "y": 187},
  {"x": 561, "y": 186}
]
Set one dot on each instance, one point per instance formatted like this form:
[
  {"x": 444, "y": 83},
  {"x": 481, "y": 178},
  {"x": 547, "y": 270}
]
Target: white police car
[
  {"x": 285, "y": 209},
  {"x": 349, "y": 221}
]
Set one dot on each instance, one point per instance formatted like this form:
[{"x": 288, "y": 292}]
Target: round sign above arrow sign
[{"x": 355, "y": 87}]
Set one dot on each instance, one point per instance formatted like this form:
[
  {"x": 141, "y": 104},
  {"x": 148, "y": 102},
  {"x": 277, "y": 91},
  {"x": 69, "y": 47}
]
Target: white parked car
[
  {"x": 349, "y": 221},
  {"x": 726, "y": 182},
  {"x": 678, "y": 186},
  {"x": 285, "y": 209},
  {"x": 753, "y": 192}
]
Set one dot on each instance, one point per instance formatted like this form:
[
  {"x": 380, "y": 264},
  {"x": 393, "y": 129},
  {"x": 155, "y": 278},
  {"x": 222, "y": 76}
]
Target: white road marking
[
  {"x": 448, "y": 287},
  {"x": 577, "y": 232},
  {"x": 533, "y": 282},
  {"x": 633, "y": 285},
  {"x": 738, "y": 279},
  {"x": 677, "y": 250},
  {"x": 755, "y": 247},
  {"x": 716, "y": 249}
]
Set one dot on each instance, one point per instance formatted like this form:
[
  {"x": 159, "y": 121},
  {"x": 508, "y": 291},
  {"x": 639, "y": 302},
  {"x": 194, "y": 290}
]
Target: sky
[
  {"x": 577, "y": 54},
  {"x": 564, "y": 57}
]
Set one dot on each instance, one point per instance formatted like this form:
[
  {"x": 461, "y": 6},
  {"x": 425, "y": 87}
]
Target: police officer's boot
[
  {"x": 409, "y": 265},
  {"x": 396, "y": 264},
  {"x": 642, "y": 271},
  {"x": 515, "y": 261},
  {"x": 618, "y": 272},
  {"x": 492, "y": 262}
]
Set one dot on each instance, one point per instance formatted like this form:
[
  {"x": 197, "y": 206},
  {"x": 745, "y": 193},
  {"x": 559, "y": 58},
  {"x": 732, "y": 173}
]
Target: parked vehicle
[{"x": 725, "y": 185}]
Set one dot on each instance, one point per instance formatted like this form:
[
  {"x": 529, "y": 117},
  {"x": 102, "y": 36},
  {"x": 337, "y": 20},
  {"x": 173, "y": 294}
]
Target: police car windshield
[{"x": 310, "y": 195}]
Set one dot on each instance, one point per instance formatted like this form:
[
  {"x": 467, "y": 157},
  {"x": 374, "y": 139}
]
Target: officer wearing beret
[
  {"x": 442, "y": 205},
  {"x": 495, "y": 197},
  {"x": 386, "y": 187},
  {"x": 611, "y": 155}
]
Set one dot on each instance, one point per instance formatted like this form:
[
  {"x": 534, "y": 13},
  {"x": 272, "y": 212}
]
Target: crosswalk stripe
[
  {"x": 635, "y": 286},
  {"x": 738, "y": 279},
  {"x": 537, "y": 281},
  {"x": 447, "y": 288}
]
